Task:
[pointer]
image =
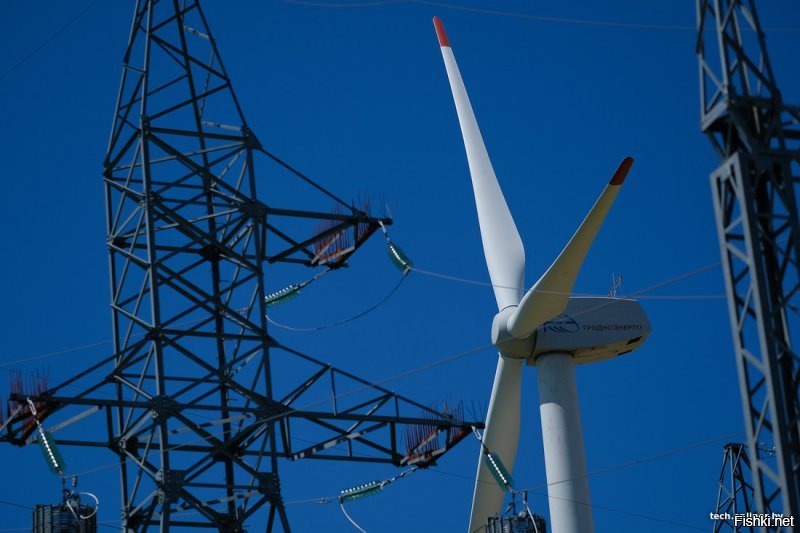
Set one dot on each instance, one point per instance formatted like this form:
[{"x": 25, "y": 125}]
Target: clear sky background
[{"x": 357, "y": 97}]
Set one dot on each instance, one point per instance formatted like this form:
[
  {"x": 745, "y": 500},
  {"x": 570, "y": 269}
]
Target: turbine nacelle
[{"x": 590, "y": 329}]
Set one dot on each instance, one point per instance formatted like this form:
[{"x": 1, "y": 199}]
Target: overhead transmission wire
[
  {"x": 47, "y": 41},
  {"x": 401, "y": 260},
  {"x": 5, "y": 365},
  {"x": 533, "y": 490},
  {"x": 638, "y": 294},
  {"x": 514, "y": 14},
  {"x": 623, "y": 511},
  {"x": 344, "y": 321},
  {"x": 425, "y": 367},
  {"x": 329, "y": 499},
  {"x": 444, "y": 361},
  {"x": 55, "y": 353},
  {"x": 407, "y": 268},
  {"x": 411, "y": 268},
  {"x": 621, "y": 466},
  {"x": 356, "y": 390},
  {"x": 21, "y": 506},
  {"x": 504, "y": 480},
  {"x": 346, "y": 495},
  {"x": 396, "y": 255}
]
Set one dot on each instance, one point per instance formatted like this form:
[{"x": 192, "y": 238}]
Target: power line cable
[
  {"x": 348, "y": 5},
  {"x": 517, "y": 15},
  {"x": 16, "y": 505},
  {"x": 647, "y": 459},
  {"x": 50, "y": 39},
  {"x": 613, "y": 468},
  {"x": 638, "y": 294},
  {"x": 56, "y": 353},
  {"x": 600, "y": 471},
  {"x": 661, "y": 455},
  {"x": 676, "y": 279},
  {"x": 343, "y": 321},
  {"x": 563, "y": 20},
  {"x": 622, "y": 511},
  {"x": 413, "y": 371},
  {"x": 422, "y": 368}
]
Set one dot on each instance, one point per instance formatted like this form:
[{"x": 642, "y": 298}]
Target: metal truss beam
[
  {"x": 735, "y": 493},
  {"x": 199, "y": 402},
  {"x": 757, "y": 137}
]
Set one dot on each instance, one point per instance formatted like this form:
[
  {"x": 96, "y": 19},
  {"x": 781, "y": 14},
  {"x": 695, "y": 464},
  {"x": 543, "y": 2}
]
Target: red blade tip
[
  {"x": 622, "y": 171},
  {"x": 443, "y": 40}
]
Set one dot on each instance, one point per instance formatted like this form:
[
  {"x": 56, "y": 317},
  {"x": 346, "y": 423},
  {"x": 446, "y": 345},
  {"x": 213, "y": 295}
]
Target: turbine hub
[{"x": 506, "y": 343}]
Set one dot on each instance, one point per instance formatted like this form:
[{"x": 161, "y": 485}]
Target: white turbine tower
[{"x": 546, "y": 327}]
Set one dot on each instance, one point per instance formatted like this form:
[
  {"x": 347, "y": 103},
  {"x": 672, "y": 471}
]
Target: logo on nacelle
[{"x": 561, "y": 324}]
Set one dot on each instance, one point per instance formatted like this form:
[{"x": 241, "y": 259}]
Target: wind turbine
[{"x": 546, "y": 327}]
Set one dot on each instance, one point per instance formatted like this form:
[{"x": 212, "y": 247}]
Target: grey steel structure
[
  {"x": 735, "y": 493},
  {"x": 757, "y": 137},
  {"x": 198, "y": 401}
]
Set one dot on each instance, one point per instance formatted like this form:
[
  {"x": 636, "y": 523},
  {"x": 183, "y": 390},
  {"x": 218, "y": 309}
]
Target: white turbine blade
[
  {"x": 549, "y": 296},
  {"x": 505, "y": 258},
  {"x": 502, "y": 247},
  {"x": 501, "y": 436}
]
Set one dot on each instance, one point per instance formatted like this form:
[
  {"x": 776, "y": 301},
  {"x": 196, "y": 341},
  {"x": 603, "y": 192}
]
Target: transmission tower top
[{"x": 199, "y": 402}]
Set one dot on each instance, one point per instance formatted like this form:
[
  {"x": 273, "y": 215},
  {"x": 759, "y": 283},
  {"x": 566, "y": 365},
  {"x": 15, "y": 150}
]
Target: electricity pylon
[
  {"x": 735, "y": 494},
  {"x": 757, "y": 137},
  {"x": 198, "y": 400}
]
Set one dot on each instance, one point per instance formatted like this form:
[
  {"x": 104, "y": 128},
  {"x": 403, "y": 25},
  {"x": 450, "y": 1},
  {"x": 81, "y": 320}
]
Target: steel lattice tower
[
  {"x": 735, "y": 493},
  {"x": 757, "y": 138},
  {"x": 198, "y": 400}
]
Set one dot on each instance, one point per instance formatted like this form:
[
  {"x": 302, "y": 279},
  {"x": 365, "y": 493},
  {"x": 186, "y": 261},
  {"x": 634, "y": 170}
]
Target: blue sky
[{"x": 357, "y": 97}]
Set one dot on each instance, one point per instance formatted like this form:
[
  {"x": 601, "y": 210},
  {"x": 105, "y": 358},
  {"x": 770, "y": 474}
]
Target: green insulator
[
  {"x": 282, "y": 295},
  {"x": 398, "y": 257},
  {"x": 498, "y": 470},
  {"x": 51, "y": 453},
  {"x": 361, "y": 491}
]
